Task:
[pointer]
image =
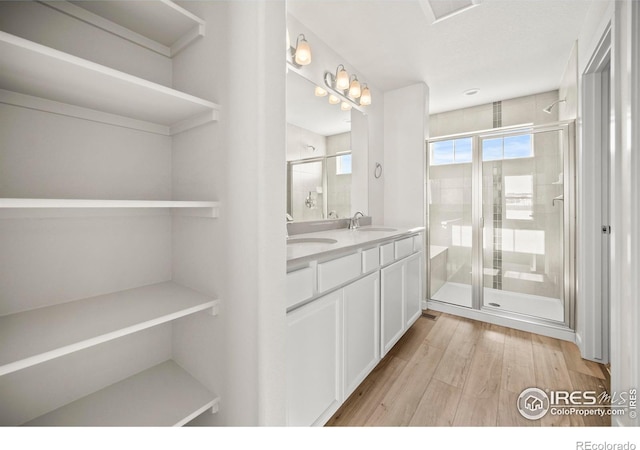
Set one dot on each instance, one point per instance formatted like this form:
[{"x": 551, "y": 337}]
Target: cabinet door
[
  {"x": 412, "y": 289},
  {"x": 361, "y": 330},
  {"x": 392, "y": 303},
  {"x": 314, "y": 361}
]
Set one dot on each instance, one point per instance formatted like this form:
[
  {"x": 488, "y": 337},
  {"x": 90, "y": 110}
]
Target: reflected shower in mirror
[{"x": 319, "y": 163}]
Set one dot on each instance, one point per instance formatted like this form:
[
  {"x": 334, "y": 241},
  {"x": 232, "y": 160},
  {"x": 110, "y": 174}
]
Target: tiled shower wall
[{"x": 515, "y": 111}]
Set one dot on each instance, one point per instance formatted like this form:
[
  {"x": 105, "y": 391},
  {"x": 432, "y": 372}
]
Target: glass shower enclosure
[{"x": 500, "y": 222}]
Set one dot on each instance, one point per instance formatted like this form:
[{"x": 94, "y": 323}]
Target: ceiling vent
[{"x": 443, "y": 9}]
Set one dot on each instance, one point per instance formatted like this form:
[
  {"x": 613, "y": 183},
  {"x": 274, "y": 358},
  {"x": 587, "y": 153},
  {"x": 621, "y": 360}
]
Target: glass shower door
[
  {"x": 523, "y": 223},
  {"x": 450, "y": 226}
]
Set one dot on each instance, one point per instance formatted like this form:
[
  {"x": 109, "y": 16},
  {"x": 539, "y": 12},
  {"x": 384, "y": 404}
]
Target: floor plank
[
  {"x": 508, "y": 415},
  {"x": 357, "y": 409},
  {"x": 401, "y": 401},
  {"x": 517, "y": 364},
  {"x": 476, "y": 412},
  {"x": 575, "y": 362},
  {"x": 442, "y": 332},
  {"x": 409, "y": 343},
  {"x": 438, "y": 405},
  {"x": 456, "y": 361},
  {"x": 590, "y": 383}
]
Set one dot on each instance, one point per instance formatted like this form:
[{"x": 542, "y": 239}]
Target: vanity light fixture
[
  {"x": 365, "y": 97},
  {"x": 344, "y": 106},
  {"x": 342, "y": 78},
  {"x": 347, "y": 89},
  {"x": 354, "y": 88},
  {"x": 319, "y": 92},
  {"x": 301, "y": 53}
]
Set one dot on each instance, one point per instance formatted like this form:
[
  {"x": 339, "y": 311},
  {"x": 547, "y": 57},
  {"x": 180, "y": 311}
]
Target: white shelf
[
  {"x": 191, "y": 208},
  {"x": 164, "y": 395},
  {"x": 161, "y": 26},
  {"x": 39, "y": 335},
  {"x": 39, "y": 77}
]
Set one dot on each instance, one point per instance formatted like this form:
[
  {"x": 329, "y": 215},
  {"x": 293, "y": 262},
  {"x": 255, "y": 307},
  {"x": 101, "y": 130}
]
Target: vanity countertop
[{"x": 298, "y": 253}]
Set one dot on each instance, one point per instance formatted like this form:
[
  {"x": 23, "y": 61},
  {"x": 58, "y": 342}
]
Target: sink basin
[
  {"x": 311, "y": 241},
  {"x": 376, "y": 229}
]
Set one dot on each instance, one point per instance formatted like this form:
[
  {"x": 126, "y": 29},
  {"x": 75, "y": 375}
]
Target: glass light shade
[
  {"x": 345, "y": 106},
  {"x": 333, "y": 99},
  {"x": 365, "y": 98},
  {"x": 319, "y": 92},
  {"x": 303, "y": 52},
  {"x": 342, "y": 79},
  {"x": 354, "y": 88}
]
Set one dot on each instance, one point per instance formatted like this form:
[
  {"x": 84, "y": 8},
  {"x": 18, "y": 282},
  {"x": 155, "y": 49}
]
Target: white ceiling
[{"x": 505, "y": 48}]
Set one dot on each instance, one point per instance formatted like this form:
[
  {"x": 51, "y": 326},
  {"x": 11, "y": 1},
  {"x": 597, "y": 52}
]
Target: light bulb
[
  {"x": 345, "y": 106},
  {"x": 303, "y": 51},
  {"x": 354, "y": 88},
  {"x": 319, "y": 92},
  {"x": 365, "y": 98},
  {"x": 342, "y": 78},
  {"x": 333, "y": 99}
]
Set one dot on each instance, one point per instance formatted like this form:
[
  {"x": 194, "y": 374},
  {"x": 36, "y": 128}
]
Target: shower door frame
[{"x": 567, "y": 128}]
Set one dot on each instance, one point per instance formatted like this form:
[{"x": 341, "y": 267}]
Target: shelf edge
[
  {"x": 65, "y": 109},
  {"x": 72, "y": 348},
  {"x": 84, "y": 15}
]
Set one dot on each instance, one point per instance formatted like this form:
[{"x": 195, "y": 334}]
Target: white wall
[
  {"x": 625, "y": 205},
  {"x": 405, "y": 132},
  {"x": 256, "y": 190}
]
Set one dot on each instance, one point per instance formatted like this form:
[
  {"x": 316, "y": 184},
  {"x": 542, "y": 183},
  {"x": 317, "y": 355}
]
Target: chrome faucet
[{"x": 355, "y": 221}]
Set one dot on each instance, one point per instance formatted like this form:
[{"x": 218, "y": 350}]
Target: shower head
[{"x": 550, "y": 107}]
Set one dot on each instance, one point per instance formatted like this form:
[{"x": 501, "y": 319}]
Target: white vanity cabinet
[
  {"x": 401, "y": 296},
  {"x": 361, "y": 306},
  {"x": 344, "y": 315},
  {"x": 314, "y": 361},
  {"x": 392, "y": 305}
]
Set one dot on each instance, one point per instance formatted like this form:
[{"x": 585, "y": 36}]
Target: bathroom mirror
[{"x": 320, "y": 159}]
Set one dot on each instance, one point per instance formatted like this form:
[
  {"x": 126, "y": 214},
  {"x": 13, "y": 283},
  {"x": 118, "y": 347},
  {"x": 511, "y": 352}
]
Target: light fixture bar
[{"x": 329, "y": 81}]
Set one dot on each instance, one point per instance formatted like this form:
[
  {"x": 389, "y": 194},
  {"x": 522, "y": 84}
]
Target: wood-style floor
[{"x": 454, "y": 371}]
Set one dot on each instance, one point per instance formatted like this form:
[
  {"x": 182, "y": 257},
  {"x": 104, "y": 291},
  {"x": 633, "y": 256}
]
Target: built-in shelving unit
[
  {"x": 161, "y": 26},
  {"x": 194, "y": 208},
  {"x": 39, "y": 335},
  {"x": 64, "y": 251},
  {"x": 164, "y": 395},
  {"x": 76, "y": 87}
]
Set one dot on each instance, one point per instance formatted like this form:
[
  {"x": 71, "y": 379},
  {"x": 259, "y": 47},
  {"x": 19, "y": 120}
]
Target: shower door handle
[{"x": 558, "y": 198}]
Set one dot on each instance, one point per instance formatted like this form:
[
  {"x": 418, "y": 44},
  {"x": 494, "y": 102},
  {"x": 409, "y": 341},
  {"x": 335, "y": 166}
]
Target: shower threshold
[{"x": 528, "y": 304}]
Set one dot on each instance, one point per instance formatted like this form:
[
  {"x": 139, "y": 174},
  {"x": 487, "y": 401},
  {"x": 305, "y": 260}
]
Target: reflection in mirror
[{"x": 318, "y": 154}]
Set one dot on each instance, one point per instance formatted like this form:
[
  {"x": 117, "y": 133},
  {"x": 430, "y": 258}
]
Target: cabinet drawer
[
  {"x": 299, "y": 286},
  {"x": 370, "y": 259},
  {"x": 417, "y": 243},
  {"x": 386, "y": 253},
  {"x": 404, "y": 247},
  {"x": 334, "y": 273}
]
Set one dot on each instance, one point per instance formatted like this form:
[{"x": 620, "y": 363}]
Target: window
[
  {"x": 343, "y": 164},
  {"x": 453, "y": 151},
  {"x": 510, "y": 147}
]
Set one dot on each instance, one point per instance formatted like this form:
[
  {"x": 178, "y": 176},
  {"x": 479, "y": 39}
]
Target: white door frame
[{"x": 592, "y": 333}]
